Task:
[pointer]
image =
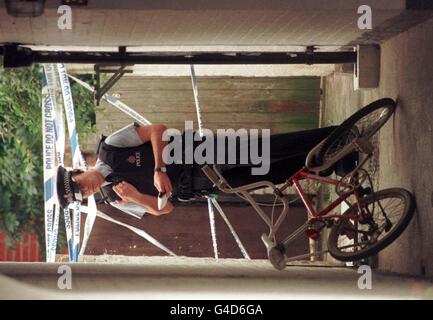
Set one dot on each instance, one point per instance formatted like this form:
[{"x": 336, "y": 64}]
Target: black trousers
[{"x": 288, "y": 152}]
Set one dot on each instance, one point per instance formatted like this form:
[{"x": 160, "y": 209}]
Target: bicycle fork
[{"x": 277, "y": 251}]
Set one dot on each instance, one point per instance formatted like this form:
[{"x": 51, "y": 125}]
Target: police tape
[
  {"x": 232, "y": 230},
  {"x": 88, "y": 225},
  {"x": 60, "y": 148},
  {"x": 115, "y": 103},
  {"x": 68, "y": 227},
  {"x": 91, "y": 214},
  {"x": 200, "y": 130},
  {"x": 76, "y": 227},
  {"x": 48, "y": 165},
  {"x": 212, "y": 228},
  {"x": 77, "y": 158},
  {"x": 53, "y": 87},
  {"x": 197, "y": 102},
  {"x": 59, "y": 126},
  {"x": 140, "y": 232},
  {"x": 212, "y": 201}
]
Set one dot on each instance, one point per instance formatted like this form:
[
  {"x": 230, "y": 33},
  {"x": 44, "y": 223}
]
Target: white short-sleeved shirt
[{"x": 123, "y": 138}]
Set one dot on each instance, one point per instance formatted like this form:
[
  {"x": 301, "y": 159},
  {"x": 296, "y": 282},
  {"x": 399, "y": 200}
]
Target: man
[
  {"x": 131, "y": 200},
  {"x": 131, "y": 172}
]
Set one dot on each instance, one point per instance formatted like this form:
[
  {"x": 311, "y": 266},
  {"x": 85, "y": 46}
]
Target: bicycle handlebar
[{"x": 218, "y": 179}]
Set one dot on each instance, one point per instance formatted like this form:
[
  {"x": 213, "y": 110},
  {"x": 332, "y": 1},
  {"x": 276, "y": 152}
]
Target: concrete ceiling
[{"x": 200, "y": 23}]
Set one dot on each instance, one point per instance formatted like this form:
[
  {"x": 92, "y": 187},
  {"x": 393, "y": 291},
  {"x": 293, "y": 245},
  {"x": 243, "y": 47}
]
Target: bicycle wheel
[
  {"x": 362, "y": 124},
  {"x": 351, "y": 240}
]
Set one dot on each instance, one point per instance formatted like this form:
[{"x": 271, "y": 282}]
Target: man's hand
[
  {"x": 162, "y": 183},
  {"x": 126, "y": 191},
  {"x": 129, "y": 193}
]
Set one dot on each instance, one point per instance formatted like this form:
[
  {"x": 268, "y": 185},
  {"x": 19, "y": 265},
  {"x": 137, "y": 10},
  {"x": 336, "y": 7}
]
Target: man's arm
[
  {"x": 132, "y": 136},
  {"x": 129, "y": 193},
  {"x": 153, "y": 133},
  {"x": 150, "y": 203}
]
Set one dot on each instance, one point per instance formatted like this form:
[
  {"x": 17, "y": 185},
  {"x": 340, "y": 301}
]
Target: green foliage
[
  {"x": 21, "y": 163},
  {"x": 84, "y": 107},
  {"x": 20, "y": 152}
]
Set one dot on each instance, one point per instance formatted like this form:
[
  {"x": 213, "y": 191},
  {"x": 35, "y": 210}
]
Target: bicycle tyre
[
  {"x": 350, "y": 122},
  {"x": 385, "y": 241}
]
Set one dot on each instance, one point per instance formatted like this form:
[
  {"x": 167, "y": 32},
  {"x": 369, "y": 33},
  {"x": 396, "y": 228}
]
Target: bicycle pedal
[
  {"x": 277, "y": 256},
  {"x": 348, "y": 230}
]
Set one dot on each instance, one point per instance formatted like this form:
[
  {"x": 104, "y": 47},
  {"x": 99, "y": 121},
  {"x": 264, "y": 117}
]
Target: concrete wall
[
  {"x": 200, "y": 279},
  {"x": 405, "y": 142}
]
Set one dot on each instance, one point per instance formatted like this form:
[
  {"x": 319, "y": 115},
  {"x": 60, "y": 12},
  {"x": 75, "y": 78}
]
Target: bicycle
[{"x": 367, "y": 226}]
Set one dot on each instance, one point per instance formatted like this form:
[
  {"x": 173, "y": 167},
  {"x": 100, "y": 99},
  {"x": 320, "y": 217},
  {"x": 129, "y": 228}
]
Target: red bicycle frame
[
  {"x": 216, "y": 177},
  {"x": 303, "y": 174}
]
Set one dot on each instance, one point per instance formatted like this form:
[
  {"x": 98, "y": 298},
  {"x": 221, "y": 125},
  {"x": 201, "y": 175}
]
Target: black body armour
[{"x": 134, "y": 165}]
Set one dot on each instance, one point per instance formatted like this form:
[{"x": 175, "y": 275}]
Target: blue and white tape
[
  {"x": 88, "y": 225},
  {"x": 115, "y": 103},
  {"x": 49, "y": 164},
  {"x": 77, "y": 158},
  {"x": 51, "y": 81},
  {"x": 60, "y": 152},
  {"x": 53, "y": 88}
]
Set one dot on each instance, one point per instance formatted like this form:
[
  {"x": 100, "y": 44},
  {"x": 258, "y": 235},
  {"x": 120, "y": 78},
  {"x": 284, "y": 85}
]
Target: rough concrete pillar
[{"x": 367, "y": 70}]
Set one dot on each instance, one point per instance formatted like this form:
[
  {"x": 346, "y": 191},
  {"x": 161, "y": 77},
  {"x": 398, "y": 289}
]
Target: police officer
[
  {"x": 129, "y": 168},
  {"x": 130, "y": 171}
]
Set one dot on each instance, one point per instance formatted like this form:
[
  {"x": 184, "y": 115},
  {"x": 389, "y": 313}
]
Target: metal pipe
[
  {"x": 17, "y": 56},
  {"x": 201, "y": 58}
]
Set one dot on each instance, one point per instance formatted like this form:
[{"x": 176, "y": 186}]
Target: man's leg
[
  {"x": 279, "y": 172},
  {"x": 288, "y": 152},
  {"x": 285, "y": 145},
  {"x": 287, "y": 155}
]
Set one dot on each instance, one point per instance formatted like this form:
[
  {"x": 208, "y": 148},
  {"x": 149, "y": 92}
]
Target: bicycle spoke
[
  {"x": 353, "y": 245},
  {"x": 339, "y": 144},
  {"x": 366, "y": 127},
  {"x": 364, "y": 235},
  {"x": 372, "y": 121}
]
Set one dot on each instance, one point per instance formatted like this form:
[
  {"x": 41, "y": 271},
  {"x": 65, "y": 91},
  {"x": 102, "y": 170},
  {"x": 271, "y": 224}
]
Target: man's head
[{"x": 76, "y": 185}]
